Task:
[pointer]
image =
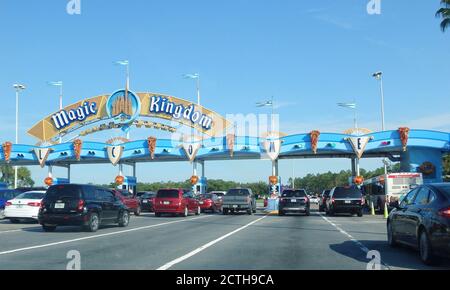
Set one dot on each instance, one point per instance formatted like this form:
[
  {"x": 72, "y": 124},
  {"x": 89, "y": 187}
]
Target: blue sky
[{"x": 308, "y": 54}]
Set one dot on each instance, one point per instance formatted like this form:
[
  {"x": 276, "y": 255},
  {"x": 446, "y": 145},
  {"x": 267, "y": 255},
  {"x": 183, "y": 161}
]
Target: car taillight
[
  {"x": 8, "y": 204},
  {"x": 333, "y": 200},
  {"x": 306, "y": 200},
  {"x": 362, "y": 201},
  {"x": 80, "y": 205},
  {"x": 445, "y": 212},
  {"x": 34, "y": 204}
]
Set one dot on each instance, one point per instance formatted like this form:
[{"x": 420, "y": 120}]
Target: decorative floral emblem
[
  {"x": 77, "y": 146},
  {"x": 404, "y": 136},
  {"x": 230, "y": 143},
  {"x": 314, "y": 140},
  {"x": 7, "y": 148},
  {"x": 194, "y": 180},
  {"x": 151, "y": 142},
  {"x": 427, "y": 168}
]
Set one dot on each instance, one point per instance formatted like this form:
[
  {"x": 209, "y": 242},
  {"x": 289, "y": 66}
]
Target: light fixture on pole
[
  {"x": 352, "y": 106},
  {"x": 196, "y": 77},
  {"x": 18, "y": 88},
  {"x": 379, "y": 76},
  {"x": 269, "y": 103},
  {"x": 58, "y": 84}
]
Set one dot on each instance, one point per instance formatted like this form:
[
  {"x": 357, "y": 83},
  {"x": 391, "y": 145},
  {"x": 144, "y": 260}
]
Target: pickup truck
[{"x": 239, "y": 199}]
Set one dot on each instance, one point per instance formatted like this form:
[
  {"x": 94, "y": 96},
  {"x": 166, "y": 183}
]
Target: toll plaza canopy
[{"x": 417, "y": 150}]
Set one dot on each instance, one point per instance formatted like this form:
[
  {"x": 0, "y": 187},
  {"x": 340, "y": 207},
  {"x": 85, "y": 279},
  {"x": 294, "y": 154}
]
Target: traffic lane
[
  {"x": 7, "y": 226},
  {"x": 280, "y": 243},
  {"x": 145, "y": 249},
  {"x": 34, "y": 236},
  {"x": 371, "y": 231}
]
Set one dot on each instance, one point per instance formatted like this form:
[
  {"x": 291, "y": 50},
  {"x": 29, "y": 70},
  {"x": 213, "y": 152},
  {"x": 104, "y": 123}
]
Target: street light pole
[
  {"x": 379, "y": 76},
  {"x": 18, "y": 88},
  {"x": 60, "y": 85},
  {"x": 195, "y": 76}
]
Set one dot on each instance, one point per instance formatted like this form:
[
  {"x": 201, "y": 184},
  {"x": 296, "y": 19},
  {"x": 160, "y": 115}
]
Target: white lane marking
[
  {"x": 11, "y": 231},
  {"x": 97, "y": 236},
  {"x": 351, "y": 238},
  {"x": 205, "y": 246}
]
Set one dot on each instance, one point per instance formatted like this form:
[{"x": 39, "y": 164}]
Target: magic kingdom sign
[{"x": 124, "y": 107}]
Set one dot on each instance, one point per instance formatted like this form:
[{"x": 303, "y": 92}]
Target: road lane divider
[
  {"x": 99, "y": 236},
  {"x": 205, "y": 246},
  {"x": 351, "y": 238}
]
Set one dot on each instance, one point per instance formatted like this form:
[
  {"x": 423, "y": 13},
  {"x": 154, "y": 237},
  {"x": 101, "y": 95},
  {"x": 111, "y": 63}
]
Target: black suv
[
  {"x": 345, "y": 200},
  {"x": 81, "y": 205},
  {"x": 295, "y": 201}
]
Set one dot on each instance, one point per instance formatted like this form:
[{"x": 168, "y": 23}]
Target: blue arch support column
[{"x": 416, "y": 156}]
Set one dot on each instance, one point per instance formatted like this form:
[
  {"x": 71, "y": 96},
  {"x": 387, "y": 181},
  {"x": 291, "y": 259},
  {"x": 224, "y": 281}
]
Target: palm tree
[{"x": 444, "y": 12}]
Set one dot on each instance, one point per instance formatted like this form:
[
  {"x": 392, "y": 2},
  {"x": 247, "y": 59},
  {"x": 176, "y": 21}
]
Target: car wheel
[
  {"x": 186, "y": 212},
  {"x": 48, "y": 229},
  {"x": 94, "y": 223},
  {"x": 391, "y": 237},
  {"x": 360, "y": 213},
  {"x": 225, "y": 211},
  {"x": 138, "y": 211},
  {"x": 426, "y": 252},
  {"x": 199, "y": 211},
  {"x": 157, "y": 214},
  {"x": 124, "y": 219},
  {"x": 250, "y": 211},
  {"x": 14, "y": 221},
  {"x": 308, "y": 212}
]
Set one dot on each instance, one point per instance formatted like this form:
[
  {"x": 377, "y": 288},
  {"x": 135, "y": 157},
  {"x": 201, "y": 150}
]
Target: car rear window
[
  {"x": 347, "y": 192},
  {"x": 148, "y": 195},
  {"x": 68, "y": 191},
  {"x": 168, "y": 193},
  {"x": 445, "y": 189},
  {"x": 31, "y": 195},
  {"x": 294, "y": 193},
  {"x": 238, "y": 192}
]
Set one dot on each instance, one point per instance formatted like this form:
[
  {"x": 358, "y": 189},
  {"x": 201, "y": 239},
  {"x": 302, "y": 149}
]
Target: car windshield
[
  {"x": 68, "y": 191},
  {"x": 238, "y": 192},
  {"x": 294, "y": 193},
  {"x": 347, "y": 192},
  {"x": 31, "y": 195},
  {"x": 167, "y": 193}
]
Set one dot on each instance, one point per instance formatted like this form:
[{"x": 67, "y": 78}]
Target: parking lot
[{"x": 236, "y": 242}]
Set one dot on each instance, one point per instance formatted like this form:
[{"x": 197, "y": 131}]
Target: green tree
[
  {"x": 444, "y": 13},
  {"x": 23, "y": 176},
  {"x": 446, "y": 166}
]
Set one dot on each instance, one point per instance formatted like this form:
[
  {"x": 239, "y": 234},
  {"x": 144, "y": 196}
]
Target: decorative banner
[
  {"x": 191, "y": 148},
  {"x": 359, "y": 144},
  {"x": 42, "y": 155},
  {"x": 119, "y": 180},
  {"x": 151, "y": 142},
  {"x": 194, "y": 180},
  {"x": 77, "y": 146},
  {"x": 359, "y": 180},
  {"x": 7, "y": 148},
  {"x": 272, "y": 146},
  {"x": 404, "y": 136},
  {"x": 231, "y": 138},
  {"x": 115, "y": 153},
  {"x": 314, "y": 140},
  {"x": 49, "y": 181},
  {"x": 273, "y": 180}
]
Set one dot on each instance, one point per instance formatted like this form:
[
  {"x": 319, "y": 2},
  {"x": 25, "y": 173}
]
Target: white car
[
  {"x": 314, "y": 200},
  {"x": 24, "y": 207}
]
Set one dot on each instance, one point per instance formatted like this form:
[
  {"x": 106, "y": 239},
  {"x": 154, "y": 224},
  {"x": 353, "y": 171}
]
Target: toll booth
[
  {"x": 129, "y": 184},
  {"x": 201, "y": 187}
]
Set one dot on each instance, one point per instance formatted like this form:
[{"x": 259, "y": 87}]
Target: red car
[
  {"x": 129, "y": 200},
  {"x": 210, "y": 202},
  {"x": 176, "y": 202}
]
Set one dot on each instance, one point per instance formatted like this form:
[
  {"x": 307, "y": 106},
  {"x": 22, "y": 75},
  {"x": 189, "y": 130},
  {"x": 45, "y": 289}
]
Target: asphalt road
[{"x": 211, "y": 242}]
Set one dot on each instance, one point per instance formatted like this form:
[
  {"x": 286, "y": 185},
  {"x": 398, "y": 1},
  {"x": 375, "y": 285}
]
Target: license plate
[
  {"x": 19, "y": 206},
  {"x": 293, "y": 200},
  {"x": 166, "y": 203},
  {"x": 235, "y": 206},
  {"x": 201, "y": 202},
  {"x": 348, "y": 201},
  {"x": 145, "y": 201},
  {"x": 60, "y": 205}
]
